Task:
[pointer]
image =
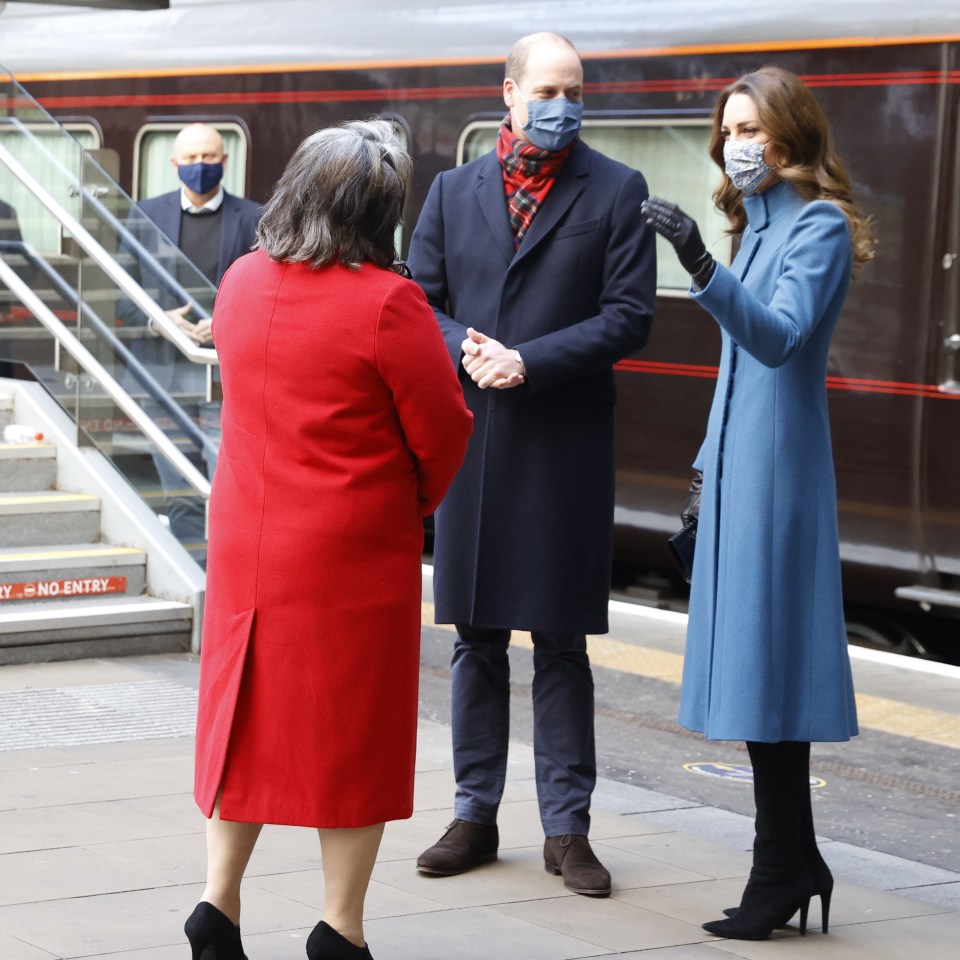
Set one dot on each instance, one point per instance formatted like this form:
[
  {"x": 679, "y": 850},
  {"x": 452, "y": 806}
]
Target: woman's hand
[{"x": 674, "y": 225}]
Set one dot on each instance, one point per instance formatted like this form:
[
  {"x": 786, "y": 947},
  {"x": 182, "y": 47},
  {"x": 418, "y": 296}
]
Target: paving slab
[
  {"x": 78, "y": 825},
  {"x": 612, "y": 924},
  {"x": 43, "y": 875}
]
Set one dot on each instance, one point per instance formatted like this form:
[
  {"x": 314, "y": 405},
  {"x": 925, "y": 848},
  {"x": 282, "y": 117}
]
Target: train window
[
  {"x": 153, "y": 173},
  {"x": 52, "y": 159},
  {"x": 673, "y": 157}
]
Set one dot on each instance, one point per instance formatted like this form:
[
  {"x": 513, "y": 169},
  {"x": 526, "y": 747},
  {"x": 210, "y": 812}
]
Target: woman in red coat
[{"x": 343, "y": 424}]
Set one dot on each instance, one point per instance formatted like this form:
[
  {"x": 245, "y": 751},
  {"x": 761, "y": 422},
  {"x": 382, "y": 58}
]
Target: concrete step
[
  {"x": 27, "y": 466},
  {"x": 98, "y": 627},
  {"x": 38, "y": 575},
  {"x": 46, "y": 517}
]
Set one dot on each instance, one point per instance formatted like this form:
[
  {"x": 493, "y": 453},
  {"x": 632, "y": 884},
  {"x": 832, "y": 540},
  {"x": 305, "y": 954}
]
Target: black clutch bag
[
  {"x": 682, "y": 545},
  {"x": 684, "y": 542}
]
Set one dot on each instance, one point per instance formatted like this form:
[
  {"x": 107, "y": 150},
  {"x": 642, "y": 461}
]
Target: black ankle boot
[
  {"x": 767, "y": 899},
  {"x": 822, "y": 887},
  {"x": 213, "y": 935},
  {"x": 324, "y": 943},
  {"x": 780, "y": 882}
]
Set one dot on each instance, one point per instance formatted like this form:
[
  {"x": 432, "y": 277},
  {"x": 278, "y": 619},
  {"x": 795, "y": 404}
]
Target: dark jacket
[
  {"x": 237, "y": 237},
  {"x": 524, "y": 536},
  {"x": 9, "y": 226}
]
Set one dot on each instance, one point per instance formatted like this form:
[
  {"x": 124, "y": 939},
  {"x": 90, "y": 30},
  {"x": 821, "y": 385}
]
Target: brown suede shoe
[
  {"x": 463, "y": 846},
  {"x": 570, "y": 856}
]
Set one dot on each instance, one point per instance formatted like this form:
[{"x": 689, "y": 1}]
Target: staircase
[{"x": 64, "y": 593}]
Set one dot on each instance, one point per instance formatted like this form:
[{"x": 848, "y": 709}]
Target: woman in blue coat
[{"x": 766, "y": 657}]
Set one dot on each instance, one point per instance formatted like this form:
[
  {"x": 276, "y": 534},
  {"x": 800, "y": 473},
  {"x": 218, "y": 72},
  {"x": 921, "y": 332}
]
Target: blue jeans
[{"x": 563, "y": 737}]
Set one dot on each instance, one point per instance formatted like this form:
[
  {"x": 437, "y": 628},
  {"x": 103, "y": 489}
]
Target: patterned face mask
[{"x": 744, "y": 163}]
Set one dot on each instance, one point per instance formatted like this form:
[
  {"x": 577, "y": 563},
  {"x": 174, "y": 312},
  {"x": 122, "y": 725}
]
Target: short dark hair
[
  {"x": 340, "y": 198},
  {"x": 516, "y": 65}
]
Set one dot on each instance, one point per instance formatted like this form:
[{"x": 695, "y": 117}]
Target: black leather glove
[
  {"x": 682, "y": 231},
  {"x": 690, "y": 513}
]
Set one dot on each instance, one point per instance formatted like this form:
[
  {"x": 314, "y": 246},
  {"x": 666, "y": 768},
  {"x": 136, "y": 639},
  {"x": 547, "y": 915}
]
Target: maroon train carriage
[{"x": 888, "y": 76}]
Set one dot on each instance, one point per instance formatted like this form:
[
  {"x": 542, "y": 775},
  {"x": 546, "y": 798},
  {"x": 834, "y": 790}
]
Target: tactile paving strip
[{"x": 103, "y": 713}]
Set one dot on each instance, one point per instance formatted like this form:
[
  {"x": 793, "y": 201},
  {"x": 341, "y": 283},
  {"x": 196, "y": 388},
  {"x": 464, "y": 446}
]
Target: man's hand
[
  {"x": 489, "y": 362},
  {"x": 200, "y": 332}
]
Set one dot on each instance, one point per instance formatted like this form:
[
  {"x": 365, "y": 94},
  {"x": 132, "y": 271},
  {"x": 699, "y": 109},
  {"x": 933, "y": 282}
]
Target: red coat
[{"x": 343, "y": 424}]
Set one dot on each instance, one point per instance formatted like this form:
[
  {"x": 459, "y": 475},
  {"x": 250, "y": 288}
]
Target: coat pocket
[{"x": 575, "y": 229}]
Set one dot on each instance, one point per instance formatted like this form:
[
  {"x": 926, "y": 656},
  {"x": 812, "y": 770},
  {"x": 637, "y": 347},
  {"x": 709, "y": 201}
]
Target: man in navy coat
[
  {"x": 542, "y": 275},
  {"x": 211, "y": 228}
]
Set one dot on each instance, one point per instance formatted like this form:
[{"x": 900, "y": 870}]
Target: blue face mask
[
  {"x": 551, "y": 124},
  {"x": 200, "y": 177}
]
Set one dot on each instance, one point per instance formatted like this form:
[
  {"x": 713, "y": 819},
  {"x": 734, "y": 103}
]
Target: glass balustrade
[{"x": 58, "y": 206}]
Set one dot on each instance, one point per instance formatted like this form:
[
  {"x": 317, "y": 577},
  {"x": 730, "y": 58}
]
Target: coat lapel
[
  {"x": 167, "y": 217},
  {"x": 745, "y": 255},
  {"x": 758, "y": 218},
  {"x": 559, "y": 200},
  {"x": 229, "y": 235},
  {"x": 493, "y": 203}
]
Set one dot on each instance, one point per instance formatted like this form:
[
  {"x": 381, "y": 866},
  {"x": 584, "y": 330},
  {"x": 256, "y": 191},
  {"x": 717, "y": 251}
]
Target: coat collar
[
  {"x": 493, "y": 202},
  {"x": 763, "y": 207}
]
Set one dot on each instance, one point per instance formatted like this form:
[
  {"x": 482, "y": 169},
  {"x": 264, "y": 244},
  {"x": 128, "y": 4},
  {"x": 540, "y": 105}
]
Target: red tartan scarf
[{"x": 528, "y": 175}]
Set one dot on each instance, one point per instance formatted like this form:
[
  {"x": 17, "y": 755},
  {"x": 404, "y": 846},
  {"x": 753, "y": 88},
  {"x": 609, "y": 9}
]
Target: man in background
[{"x": 212, "y": 228}]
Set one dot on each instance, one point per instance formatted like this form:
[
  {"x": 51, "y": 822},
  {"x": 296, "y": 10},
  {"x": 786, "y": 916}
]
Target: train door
[{"x": 940, "y": 511}]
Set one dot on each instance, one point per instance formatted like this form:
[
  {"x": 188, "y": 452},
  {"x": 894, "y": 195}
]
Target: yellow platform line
[
  {"x": 61, "y": 554},
  {"x": 55, "y": 498},
  {"x": 874, "y": 713}
]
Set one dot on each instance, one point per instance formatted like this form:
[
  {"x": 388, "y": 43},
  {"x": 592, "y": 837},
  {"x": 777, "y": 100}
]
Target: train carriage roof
[{"x": 264, "y": 33}]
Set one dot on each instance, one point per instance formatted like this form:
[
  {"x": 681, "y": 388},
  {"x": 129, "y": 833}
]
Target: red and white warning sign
[{"x": 84, "y": 587}]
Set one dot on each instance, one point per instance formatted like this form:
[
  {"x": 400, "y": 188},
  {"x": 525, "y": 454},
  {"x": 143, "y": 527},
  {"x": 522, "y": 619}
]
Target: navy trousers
[{"x": 563, "y": 737}]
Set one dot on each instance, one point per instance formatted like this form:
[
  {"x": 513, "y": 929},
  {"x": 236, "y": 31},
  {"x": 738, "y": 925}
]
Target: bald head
[
  {"x": 198, "y": 143},
  {"x": 546, "y": 44}
]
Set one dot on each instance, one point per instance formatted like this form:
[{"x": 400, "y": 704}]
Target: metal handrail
[
  {"x": 139, "y": 372},
  {"x": 92, "y": 247},
  {"x": 171, "y": 283},
  {"x": 111, "y": 387}
]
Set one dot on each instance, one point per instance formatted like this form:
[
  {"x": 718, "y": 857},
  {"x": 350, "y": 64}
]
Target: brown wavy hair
[{"x": 788, "y": 111}]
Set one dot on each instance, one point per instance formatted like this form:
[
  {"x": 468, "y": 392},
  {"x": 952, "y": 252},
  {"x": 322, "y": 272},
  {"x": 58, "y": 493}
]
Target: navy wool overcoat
[
  {"x": 524, "y": 537},
  {"x": 766, "y": 656}
]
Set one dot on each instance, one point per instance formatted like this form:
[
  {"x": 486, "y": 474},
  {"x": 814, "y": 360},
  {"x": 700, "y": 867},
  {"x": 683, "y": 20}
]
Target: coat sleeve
[
  {"x": 412, "y": 362},
  {"x": 626, "y": 304},
  {"x": 428, "y": 266},
  {"x": 816, "y": 262}
]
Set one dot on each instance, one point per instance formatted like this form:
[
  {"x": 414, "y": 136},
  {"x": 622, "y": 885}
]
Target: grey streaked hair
[{"x": 340, "y": 198}]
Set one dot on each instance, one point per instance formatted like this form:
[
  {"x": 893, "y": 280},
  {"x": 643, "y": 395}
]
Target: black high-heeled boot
[
  {"x": 816, "y": 865},
  {"x": 212, "y": 934},
  {"x": 324, "y": 943},
  {"x": 780, "y": 883}
]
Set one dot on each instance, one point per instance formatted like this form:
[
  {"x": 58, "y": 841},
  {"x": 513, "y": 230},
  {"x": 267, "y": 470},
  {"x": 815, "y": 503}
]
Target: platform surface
[{"x": 102, "y": 852}]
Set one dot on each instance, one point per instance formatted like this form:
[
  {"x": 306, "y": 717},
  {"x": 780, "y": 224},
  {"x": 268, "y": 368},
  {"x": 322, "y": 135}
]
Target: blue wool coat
[
  {"x": 524, "y": 536},
  {"x": 766, "y": 656}
]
